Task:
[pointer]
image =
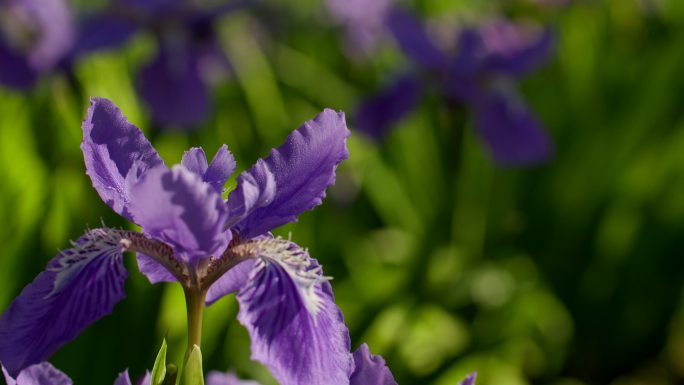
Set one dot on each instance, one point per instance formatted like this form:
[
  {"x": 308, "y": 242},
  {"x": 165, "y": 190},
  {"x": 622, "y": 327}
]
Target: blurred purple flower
[
  {"x": 191, "y": 235},
  {"x": 480, "y": 75},
  {"x": 35, "y": 36},
  {"x": 173, "y": 83},
  {"x": 363, "y": 21},
  {"x": 45, "y": 374}
]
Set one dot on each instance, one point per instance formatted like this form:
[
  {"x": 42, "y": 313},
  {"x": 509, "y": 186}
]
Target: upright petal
[
  {"x": 218, "y": 378},
  {"x": 512, "y": 133},
  {"x": 370, "y": 369},
  {"x": 39, "y": 374},
  {"x": 515, "y": 48},
  {"x": 178, "y": 208},
  {"x": 302, "y": 168},
  {"x": 378, "y": 115},
  {"x": 173, "y": 89},
  {"x": 289, "y": 310},
  {"x": 79, "y": 286},
  {"x": 111, "y": 146},
  {"x": 217, "y": 172},
  {"x": 414, "y": 40},
  {"x": 123, "y": 378}
]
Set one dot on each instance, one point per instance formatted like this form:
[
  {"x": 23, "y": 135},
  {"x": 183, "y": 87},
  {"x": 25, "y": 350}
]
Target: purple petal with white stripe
[
  {"x": 178, "y": 208},
  {"x": 370, "y": 369},
  {"x": 79, "y": 286},
  {"x": 513, "y": 134},
  {"x": 288, "y": 308},
  {"x": 39, "y": 374},
  {"x": 302, "y": 168},
  {"x": 111, "y": 146}
]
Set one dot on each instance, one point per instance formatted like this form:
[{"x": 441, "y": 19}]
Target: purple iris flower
[
  {"x": 481, "y": 75},
  {"x": 45, "y": 374},
  {"x": 35, "y": 36},
  {"x": 173, "y": 83},
  {"x": 363, "y": 21},
  {"x": 210, "y": 246}
]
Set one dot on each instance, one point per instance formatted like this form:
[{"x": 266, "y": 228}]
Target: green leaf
[
  {"x": 159, "y": 369},
  {"x": 192, "y": 374}
]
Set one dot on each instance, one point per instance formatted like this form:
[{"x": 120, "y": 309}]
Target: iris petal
[
  {"x": 288, "y": 308},
  {"x": 215, "y": 173},
  {"x": 173, "y": 89},
  {"x": 302, "y": 168},
  {"x": 511, "y": 131},
  {"x": 111, "y": 147},
  {"x": 377, "y": 116},
  {"x": 469, "y": 380},
  {"x": 79, "y": 286},
  {"x": 218, "y": 378},
  {"x": 178, "y": 208},
  {"x": 370, "y": 369},
  {"x": 414, "y": 40},
  {"x": 39, "y": 374}
]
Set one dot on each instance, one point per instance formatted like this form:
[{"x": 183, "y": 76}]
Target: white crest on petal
[
  {"x": 95, "y": 243},
  {"x": 295, "y": 261}
]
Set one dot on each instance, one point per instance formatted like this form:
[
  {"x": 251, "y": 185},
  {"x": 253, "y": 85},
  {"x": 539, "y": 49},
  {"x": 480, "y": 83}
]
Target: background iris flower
[
  {"x": 479, "y": 74},
  {"x": 35, "y": 37},
  {"x": 173, "y": 83}
]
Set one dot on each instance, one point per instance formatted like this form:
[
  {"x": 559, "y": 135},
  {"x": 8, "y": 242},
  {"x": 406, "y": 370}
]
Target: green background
[{"x": 566, "y": 273}]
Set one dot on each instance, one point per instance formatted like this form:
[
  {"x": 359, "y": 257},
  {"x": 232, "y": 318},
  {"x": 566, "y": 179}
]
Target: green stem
[{"x": 194, "y": 301}]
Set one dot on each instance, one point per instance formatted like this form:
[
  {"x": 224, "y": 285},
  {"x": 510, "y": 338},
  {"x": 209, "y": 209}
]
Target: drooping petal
[
  {"x": 414, "y": 40},
  {"x": 16, "y": 71},
  {"x": 230, "y": 282},
  {"x": 39, "y": 374},
  {"x": 79, "y": 286},
  {"x": 302, "y": 168},
  {"x": 153, "y": 270},
  {"x": 217, "y": 172},
  {"x": 111, "y": 146},
  {"x": 218, "y": 378},
  {"x": 469, "y": 380},
  {"x": 289, "y": 310},
  {"x": 378, "y": 115},
  {"x": 512, "y": 133},
  {"x": 514, "y": 49},
  {"x": 173, "y": 89},
  {"x": 178, "y": 208},
  {"x": 123, "y": 378},
  {"x": 370, "y": 369}
]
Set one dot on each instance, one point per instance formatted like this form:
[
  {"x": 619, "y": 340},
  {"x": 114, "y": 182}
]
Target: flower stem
[{"x": 194, "y": 301}]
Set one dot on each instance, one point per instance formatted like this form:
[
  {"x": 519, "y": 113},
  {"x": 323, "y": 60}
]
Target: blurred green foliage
[{"x": 567, "y": 273}]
